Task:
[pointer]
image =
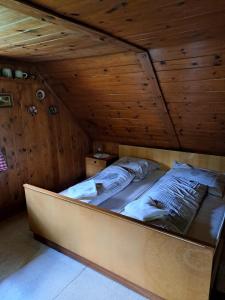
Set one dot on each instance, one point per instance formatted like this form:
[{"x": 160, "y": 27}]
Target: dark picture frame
[{"x": 6, "y": 100}]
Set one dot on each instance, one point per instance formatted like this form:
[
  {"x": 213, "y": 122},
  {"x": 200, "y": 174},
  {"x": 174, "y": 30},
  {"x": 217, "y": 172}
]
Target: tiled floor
[{"x": 32, "y": 271}]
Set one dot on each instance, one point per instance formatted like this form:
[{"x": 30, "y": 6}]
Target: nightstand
[{"x": 95, "y": 165}]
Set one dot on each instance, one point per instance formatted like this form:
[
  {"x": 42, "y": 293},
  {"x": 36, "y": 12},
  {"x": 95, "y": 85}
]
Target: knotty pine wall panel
[
  {"x": 113, "y": 97},
  {"x": 192, "y": 78},
  {"x": 44, "y": 150}
]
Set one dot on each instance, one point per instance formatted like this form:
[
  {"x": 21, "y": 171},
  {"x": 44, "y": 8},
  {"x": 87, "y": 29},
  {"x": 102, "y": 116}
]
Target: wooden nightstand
[{"x": 95, "y": 165}]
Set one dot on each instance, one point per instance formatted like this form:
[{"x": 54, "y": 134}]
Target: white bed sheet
[
  {"x": 131, "y": 192},
  {"x": 208, "y": 222}
]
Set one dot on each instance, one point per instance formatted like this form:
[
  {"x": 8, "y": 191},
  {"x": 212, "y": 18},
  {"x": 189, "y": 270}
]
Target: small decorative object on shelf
[
  {"x": 20, "y": 74},
  {"x": 53, "y": 110},
  {"x": 5, "y": 100},
  {"x": 16, "y": 74},
  {"x": 32, "y": 110},
  {"x": 7, "y": 72},
  {"x": 40, "y": 95}
]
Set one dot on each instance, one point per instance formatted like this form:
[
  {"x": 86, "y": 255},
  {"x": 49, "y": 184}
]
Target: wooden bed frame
[{"x": 155, "y": 263}]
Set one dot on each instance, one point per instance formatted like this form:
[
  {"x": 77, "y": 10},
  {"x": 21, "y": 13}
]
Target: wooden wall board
[
  {"x": 186, "y": 44},
  {"x": 44, "y": 150},
  {"x": 125, "y": 106},
  {"x": 167, "y": 157},
  {"x": 194, "y": 88}
]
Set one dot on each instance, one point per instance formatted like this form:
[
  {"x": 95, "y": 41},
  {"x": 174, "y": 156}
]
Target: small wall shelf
[{"x": 18, "y": 80}]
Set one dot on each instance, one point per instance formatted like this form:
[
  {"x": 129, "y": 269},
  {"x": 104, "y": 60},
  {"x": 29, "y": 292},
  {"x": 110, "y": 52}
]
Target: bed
[{"x": 154, "y": 262}]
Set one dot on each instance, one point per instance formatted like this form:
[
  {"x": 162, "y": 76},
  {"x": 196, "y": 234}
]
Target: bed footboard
[{"x": 154, "y": 261}]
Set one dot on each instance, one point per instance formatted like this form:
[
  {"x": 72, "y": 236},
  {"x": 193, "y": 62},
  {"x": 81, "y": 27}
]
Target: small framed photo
[{"x": 5, "y": 100}]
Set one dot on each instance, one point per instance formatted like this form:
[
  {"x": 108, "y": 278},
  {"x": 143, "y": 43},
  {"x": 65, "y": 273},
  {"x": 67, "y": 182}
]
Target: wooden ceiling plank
[{"x": 49, "y": 16}]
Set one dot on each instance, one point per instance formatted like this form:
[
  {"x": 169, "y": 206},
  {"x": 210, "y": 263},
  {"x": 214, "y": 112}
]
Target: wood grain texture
[
  {"x": 154, "y": 260},
  {"x": 181, "y": 107},
  {"x": 45, "y": 150},
  {"x": 107, "y": 147},
  {"x": 94, "y": 166},
  {"x": 150, "y": 24},
  {"x": 35, "y": 35},
  {"x": 192, "y": 81},
  {"x": 167, "y": 157},
  {"x": 114, "y": 97}
]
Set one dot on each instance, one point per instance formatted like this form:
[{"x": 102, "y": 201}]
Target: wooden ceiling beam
[{"x": 145, "y": 61}]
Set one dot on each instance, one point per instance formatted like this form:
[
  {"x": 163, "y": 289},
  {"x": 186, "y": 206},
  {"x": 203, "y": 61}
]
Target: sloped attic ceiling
[{"x": 154, "y": 72}]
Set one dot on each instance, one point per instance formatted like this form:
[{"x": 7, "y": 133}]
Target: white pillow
[
  {"x": 214, "y": 180},
  {"x": 139, "y": 166}
]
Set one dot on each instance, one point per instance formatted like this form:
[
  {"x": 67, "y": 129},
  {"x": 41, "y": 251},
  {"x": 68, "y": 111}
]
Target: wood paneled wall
[
  {"x": 117, "y": 97},
  {"x": 187, "y": 45},
  {"x": 44, "y": 150},
  {"x": 192, "y": 77},
  {"x": 114, "y": 98}
]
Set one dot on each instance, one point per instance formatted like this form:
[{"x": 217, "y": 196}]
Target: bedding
[
  {"x": 207, "y": 224},
  {"x": 144, "y": 210},
  {"x": 139, "y": 166},
  {"x": 214, "y": 180},
  {"x": 117, "y": 202},
  {"x": 179, "y": 196},
  {"x": 108, "y": 182},
  {"x": 84, "y": 191}
]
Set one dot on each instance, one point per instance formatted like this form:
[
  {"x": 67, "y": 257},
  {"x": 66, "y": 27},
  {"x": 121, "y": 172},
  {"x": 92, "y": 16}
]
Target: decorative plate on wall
[
  {"x": 40, "y": 95},
  {"x": 5, "y": 100},
  {"x": 53, "y": 110},
  {"x": 32, "y": 110}
]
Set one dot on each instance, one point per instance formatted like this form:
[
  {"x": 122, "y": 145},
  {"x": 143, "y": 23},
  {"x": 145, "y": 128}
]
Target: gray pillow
[
  {"x": 180, "y": 197},
  {"x": 214, "y": 180},
  {"x": 139, "y": 166}
]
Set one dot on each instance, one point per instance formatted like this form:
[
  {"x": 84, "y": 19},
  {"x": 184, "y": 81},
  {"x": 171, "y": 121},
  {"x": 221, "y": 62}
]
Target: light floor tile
[
  {"x": 91, "y": 285},
  {"x": 30, "y": 270}
]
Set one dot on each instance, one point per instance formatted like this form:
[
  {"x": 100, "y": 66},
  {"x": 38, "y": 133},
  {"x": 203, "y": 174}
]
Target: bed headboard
[{"x": 166, "y": 157}]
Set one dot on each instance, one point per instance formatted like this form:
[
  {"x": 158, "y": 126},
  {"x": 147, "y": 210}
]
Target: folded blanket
[
  {"x": 84, "y": 191},
  {"x": 111, "y": 181},
  {"x": 180, "y": 197},
  {"x": 144, "y": 210},
  {"x": 100, "y": 187}
]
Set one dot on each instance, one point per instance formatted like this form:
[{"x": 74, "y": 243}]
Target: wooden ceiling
[
  {"x": 114, "y": 97},
  {"x": 148, "y": 23},
  {"x": 32, "y": 35},
  {"x": 139, "y": 72}
]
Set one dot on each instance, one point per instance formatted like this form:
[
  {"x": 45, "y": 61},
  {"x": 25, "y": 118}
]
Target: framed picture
[{"x": 5, "y": 100}]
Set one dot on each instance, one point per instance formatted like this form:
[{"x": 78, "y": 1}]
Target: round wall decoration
[
  {"x": 40, "y": 95},
  {"x": 53, "y": 110},
  {"x": 32, "y": 110}
]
